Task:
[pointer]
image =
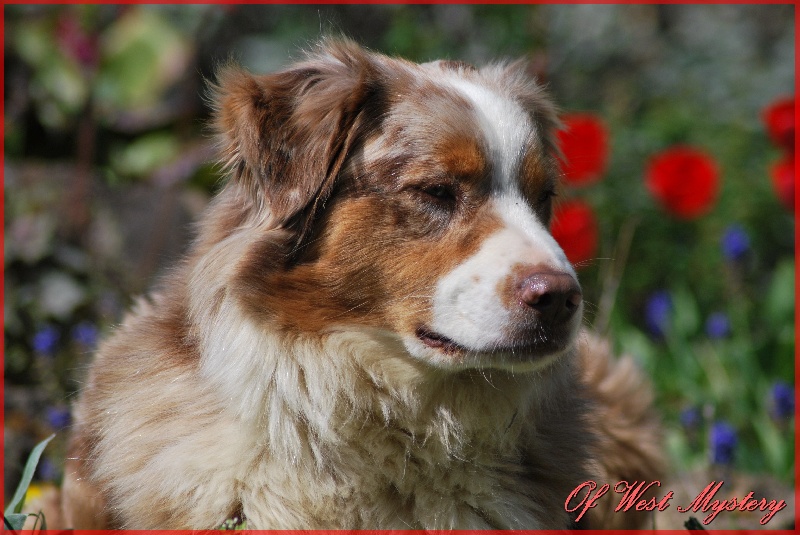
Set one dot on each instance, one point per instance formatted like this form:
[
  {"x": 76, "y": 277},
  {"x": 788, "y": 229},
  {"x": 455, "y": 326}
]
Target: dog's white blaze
[
  {"x": 505, "y": 127},
  {"x": 516, "y": 214},
  {"x": 466, "y": 305}
]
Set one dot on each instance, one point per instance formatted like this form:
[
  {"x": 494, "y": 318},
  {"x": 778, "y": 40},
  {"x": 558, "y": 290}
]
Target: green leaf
[
  {"x": 15, "y": 506},
  {"x": 779, "y": 305},
  {"x": 33, "y": 41},
  {"x": 686, "y": 317},
  {"x": 145, "y": 154},
  {"x": 15, "y": 520},
  {"x": 143, "y": 55}
]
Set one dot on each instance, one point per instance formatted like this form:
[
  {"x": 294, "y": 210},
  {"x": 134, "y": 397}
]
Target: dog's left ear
[{"x": 286, "y": 135}]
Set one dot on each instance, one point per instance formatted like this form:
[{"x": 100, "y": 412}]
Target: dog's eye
[
  {"x": 441, "y": 193},
  {"x": 544, "y": 205},
  {"x": 546, "y": 196}
]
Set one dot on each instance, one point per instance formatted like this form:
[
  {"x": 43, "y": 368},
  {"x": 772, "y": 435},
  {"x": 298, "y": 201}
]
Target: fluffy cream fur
[{"x": 338, "y": 431}]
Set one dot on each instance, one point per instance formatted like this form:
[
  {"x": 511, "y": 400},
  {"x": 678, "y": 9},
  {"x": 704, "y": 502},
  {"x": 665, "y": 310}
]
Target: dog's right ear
[{"x": 285, "y": 136}]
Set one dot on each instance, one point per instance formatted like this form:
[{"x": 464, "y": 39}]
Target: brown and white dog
[{"x": 374, "y": 327}]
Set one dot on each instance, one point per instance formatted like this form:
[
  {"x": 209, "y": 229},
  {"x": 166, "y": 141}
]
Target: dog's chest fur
[
  {"x": 471, "y": 450},
  {"x": 451, "y": 464}
]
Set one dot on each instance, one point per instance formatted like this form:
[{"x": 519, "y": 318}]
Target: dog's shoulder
[{"x": 624, "y": 425}]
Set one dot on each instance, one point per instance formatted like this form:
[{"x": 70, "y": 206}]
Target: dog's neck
[
  {"x": 376, "y": 408},
  {"x": 369, "y": 381}
]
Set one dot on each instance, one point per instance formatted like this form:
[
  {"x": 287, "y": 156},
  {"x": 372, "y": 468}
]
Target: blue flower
[
  {"x": 718, "y": 326},
  {"x": 723, "y": 441},
  {"x": 47, "y": 469},
  {"x": 690, "y": 418},
  {"x": 782, "y": 401},
  {"x": 85, "y": 334},
  {"x": 657, "y": 313},
  {"x": 58, "y": 417},
  {"x": 45, "y": 341},
  {"x": 735, "y": 243}
]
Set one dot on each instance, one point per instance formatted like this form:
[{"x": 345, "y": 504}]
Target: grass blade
[{"x": 15, "y": 506}]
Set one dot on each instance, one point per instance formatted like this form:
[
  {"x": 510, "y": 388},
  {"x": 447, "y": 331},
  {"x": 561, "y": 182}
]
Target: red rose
[
  {"x": 782, "y": 173},
  {"x": 584, "y": 145},
  {"x": 574, "y": 227},
  {"x": 684, "y": 180},
  {"x": 779, "y": 120}
]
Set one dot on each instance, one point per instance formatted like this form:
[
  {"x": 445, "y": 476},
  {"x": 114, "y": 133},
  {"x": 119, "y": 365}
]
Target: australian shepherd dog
[{"x": 373, "y": 328}]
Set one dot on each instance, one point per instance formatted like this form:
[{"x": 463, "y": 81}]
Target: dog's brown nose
[{"x": 554, "y": 295}]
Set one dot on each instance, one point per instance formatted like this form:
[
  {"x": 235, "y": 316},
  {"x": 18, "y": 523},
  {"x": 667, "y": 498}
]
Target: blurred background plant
[{"x": 677, "y": 204}]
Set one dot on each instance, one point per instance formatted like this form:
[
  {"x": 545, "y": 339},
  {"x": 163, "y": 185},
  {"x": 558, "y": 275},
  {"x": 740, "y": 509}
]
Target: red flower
[
  {"x": 782, "y": 173},
  {"x": 584, "y": 146},
  {"x": 684, "y": 180},
  {"x": 779, "y": 120},
  {"x": 574, "y": 227}
]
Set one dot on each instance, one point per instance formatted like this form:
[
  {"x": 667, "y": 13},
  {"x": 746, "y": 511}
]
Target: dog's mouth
[
  {"x": 544, "y": 346},
  {"x": 438, "y": 341}
]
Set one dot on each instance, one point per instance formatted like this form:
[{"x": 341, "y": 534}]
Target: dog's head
[{"x": 410, "y": 199}]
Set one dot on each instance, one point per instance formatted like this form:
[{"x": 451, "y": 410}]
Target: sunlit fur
[{"x": 284, "y": 369}]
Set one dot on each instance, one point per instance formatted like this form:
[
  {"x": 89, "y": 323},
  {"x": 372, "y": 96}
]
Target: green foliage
[
  {"x": 13, "y": 516},
  {"x": 145, "y": 154},
  {"x": 727, "y": 378},
  {"x": 234, "y": 523},
  {"x": 144, "y": 54},
  {"x": 58, "y": 86}
]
